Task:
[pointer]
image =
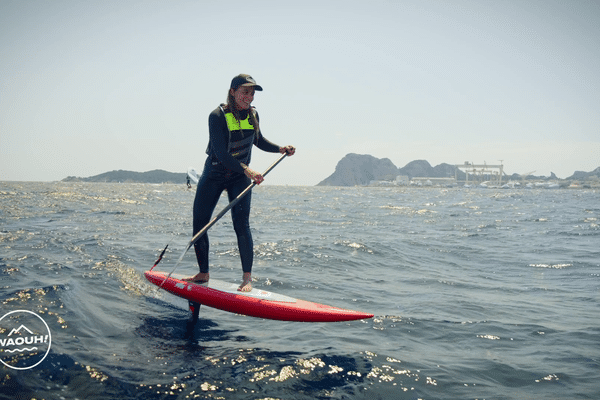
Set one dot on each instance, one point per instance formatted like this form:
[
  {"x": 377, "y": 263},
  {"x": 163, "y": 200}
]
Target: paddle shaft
[{"x": 203, "y": 231}]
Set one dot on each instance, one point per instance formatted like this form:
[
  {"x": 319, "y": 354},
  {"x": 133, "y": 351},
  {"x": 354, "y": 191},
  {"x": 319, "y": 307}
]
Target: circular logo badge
[{"x": 25, "y": 339}]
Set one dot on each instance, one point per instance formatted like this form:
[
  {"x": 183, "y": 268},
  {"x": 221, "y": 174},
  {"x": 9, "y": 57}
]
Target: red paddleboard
[{"x": 256, "y": 303}]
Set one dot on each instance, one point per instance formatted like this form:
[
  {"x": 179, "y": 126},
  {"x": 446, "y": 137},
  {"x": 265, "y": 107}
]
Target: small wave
[
  {"x": 397, "y": 208},
  {"x": 425, "y": 211},
  {"x": 489, "y": 337},
  {"x": 354, "y": 245},
  {"x": 555, "y": 266}
]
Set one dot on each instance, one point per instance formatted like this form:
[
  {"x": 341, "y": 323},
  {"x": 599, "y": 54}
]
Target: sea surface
[{"x": 477, "y": 293}]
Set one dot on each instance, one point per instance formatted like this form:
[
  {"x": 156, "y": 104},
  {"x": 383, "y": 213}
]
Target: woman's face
[{"x": 243, "y": 97}]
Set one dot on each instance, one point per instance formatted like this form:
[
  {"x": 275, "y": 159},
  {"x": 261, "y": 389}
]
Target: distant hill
[
  {"x": 361, "y": 169},
  {"x": 422, "y": 168},
  {"x": 156, "y": 176},
  {"x": 580, "y": 175},
  {"x": 356, "y": 169}
]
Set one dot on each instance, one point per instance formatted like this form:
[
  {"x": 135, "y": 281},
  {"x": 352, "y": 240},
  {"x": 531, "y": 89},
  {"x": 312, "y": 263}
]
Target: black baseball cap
[{"x": 244, "y": 80}]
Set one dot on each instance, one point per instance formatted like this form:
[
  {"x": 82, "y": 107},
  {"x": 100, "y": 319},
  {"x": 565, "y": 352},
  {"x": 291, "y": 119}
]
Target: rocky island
[
  {"x": 121, "y": 176},
  {"x": 361, "y": 170}
]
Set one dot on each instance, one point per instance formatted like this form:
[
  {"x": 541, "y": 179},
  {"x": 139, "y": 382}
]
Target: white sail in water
[{"x": 193, "y": 175}]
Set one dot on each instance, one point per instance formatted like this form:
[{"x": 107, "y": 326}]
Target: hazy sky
[{"x": 88, "y": 87}]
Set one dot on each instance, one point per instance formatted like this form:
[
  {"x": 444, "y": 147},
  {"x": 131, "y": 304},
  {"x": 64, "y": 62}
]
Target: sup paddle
[{"x": 215, "y": 219}]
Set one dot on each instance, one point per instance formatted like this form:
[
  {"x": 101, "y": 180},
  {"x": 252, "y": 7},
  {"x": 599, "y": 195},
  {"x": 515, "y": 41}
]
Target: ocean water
[{"x": 477, "y": 293}]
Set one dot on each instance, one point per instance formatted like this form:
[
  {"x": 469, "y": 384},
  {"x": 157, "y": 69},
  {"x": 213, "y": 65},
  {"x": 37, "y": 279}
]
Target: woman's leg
[
  {"x": 240, "y": 215},
  {"x": 207, "y": 197}
]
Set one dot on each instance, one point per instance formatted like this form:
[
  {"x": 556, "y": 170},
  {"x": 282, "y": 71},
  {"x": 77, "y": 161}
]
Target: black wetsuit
[{"x": 223, "y": 172}]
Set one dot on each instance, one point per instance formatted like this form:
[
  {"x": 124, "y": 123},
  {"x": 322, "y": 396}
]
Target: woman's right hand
[{"x": 255, "y": 176}]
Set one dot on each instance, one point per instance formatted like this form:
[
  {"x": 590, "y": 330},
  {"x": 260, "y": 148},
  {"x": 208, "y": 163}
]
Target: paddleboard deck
[{"x": 256, "y": 303}]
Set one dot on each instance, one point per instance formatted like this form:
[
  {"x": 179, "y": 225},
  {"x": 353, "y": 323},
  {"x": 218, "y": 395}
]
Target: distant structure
[
  {"x": 479, "y": 173},
  {"x": 430, "y": 181},
  {"x": 401, "y": 180}
]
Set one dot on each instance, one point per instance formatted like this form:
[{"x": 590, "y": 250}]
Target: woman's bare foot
[
  {"x": 199, "y": 278},
  {"x": 246, "y": 285}
]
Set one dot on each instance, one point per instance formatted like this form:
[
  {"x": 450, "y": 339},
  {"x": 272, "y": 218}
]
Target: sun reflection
[{"x": 286, "y": 373}]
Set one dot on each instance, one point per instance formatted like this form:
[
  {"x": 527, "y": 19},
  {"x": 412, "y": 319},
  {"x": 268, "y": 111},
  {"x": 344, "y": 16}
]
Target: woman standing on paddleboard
[{"x": 233, "y": 129}]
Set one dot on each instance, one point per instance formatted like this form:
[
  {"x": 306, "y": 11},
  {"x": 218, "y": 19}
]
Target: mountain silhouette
[{"x": 19, "y": 329}]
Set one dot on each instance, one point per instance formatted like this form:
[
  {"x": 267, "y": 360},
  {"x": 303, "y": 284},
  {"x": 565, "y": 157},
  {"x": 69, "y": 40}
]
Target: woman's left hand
[{"x": 289, "y": 150}]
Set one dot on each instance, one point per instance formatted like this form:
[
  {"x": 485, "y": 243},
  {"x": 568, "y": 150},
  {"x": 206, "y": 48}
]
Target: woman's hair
[{"x": 236, "y": 113}]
